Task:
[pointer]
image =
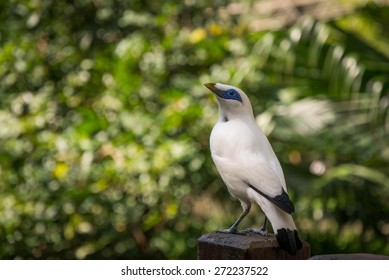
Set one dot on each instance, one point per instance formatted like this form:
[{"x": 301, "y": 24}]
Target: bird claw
[
  {"x": 230, "y": 231},
  {"x": 261, "y": 231}
]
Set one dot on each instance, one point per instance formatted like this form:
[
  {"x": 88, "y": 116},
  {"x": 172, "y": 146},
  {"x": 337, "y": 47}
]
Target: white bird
[{"x": 249, "y": 167}]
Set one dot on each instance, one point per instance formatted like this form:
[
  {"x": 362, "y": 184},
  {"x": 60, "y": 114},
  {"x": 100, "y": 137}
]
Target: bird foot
[
  {"x": 230, "y": 231},
  {"x": 261, "y": 231}
]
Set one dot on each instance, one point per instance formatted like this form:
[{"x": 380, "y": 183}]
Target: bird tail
[{"x": 289, "y": 240}]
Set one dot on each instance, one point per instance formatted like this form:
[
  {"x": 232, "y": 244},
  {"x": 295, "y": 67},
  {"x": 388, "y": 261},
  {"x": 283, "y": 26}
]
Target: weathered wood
[
  {"x": 247, "y": 246},
  {"x": 360, "y": 256}
]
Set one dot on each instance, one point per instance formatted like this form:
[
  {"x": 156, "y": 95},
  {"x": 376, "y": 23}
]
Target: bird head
[{"x": 233, "y": 102}]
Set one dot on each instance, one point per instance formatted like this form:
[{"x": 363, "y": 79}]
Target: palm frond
[{"x": 313, "y": 57}]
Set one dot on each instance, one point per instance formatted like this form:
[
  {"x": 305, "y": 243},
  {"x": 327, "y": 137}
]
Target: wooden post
[
  {"x": 358, "y": 256},
  {"x": 247, "y": 246}
]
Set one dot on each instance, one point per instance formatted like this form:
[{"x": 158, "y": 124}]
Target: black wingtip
[
  {"x": 282, "y": 200},
  {"x": 289, "y": 240}
]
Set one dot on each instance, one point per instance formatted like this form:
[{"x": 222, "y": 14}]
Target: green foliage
[{"x": 105, "y": 125}]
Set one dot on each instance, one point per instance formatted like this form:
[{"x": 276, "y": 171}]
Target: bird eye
[{"x": 231, "y": 92}]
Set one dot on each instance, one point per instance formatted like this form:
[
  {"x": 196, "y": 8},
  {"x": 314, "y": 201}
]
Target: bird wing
[
  {"x": 282, "y": 200},
  {"x": 265, "y": 177},
  {"x": 251, "y": 160}
]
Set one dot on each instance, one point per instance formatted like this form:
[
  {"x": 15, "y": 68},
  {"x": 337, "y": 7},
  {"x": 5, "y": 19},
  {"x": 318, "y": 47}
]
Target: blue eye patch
[{"x": 232, "y": 94}]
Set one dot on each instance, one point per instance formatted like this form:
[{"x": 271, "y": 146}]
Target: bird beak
[{"x": 212, "y": 87}]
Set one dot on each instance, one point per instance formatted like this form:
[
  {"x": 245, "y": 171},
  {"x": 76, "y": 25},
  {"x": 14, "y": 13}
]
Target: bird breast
[
  {"x": 240, "y": 149},
  {"x": 232, "y": 139}
]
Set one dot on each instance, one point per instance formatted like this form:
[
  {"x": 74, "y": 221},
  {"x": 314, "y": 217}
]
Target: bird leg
[
  {"x": 233, "y": 228},
  {"x": 262, "y": 231}
]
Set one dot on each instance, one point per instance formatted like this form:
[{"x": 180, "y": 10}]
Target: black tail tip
[{"x": 289, "y": 240}]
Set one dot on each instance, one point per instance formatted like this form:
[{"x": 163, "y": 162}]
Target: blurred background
[{"x": 105, "y": 123}]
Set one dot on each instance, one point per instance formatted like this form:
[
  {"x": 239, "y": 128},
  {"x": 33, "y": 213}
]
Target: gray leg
[
  {"x": 263, "y": 229},
  {"x": 233, "y": 228}
]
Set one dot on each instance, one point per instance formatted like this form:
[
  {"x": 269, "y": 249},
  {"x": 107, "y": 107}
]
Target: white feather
[{"x": 243, "y": 155}]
